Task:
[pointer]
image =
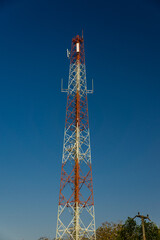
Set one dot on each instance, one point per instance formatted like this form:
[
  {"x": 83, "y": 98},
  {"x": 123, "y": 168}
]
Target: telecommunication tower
[{"x": 76, "y": 217}]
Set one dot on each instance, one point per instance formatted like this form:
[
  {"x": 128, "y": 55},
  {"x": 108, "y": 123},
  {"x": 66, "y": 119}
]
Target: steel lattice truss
[{"x": 76, "y": 218}]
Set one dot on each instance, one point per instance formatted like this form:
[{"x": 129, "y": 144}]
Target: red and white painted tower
[{"x": 76, "y": 218}]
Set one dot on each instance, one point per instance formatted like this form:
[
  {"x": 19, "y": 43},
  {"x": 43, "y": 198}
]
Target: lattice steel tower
[{"x": 76, "y": 218}]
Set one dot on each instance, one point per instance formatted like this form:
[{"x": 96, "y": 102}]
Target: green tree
[
  {"x": 132, "y": 231},
  {"x": 108, "y": 231},
  {"x": 151, "y": 230},
  {"x": 43, "y": 238},
  {"x": 129, "y": 230}
]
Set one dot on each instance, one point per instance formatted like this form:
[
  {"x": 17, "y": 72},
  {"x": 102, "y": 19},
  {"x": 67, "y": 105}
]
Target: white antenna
[
  {"x": 68, "y": 53},
  {"x": 62, "y": 89},
  {"x": 91, "y": 91}
]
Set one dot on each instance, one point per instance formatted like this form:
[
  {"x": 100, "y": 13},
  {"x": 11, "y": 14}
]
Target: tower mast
[
  {"x": 77, "y": 143},
  {"x": 76, "y": 219}
]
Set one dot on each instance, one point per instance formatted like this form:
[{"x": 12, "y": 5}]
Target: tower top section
[{"x": 77, "y": 50}]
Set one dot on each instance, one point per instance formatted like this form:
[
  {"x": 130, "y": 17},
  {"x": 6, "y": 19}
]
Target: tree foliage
[
  {"x": 108, "y": 231},
  {"x": 130, "y": 230},
  {"x": 152, "y": 231},
  {"x": 43, "y": 238}
]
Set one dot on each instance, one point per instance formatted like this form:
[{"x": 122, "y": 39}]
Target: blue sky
[{"x": 122, "y": 46}]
